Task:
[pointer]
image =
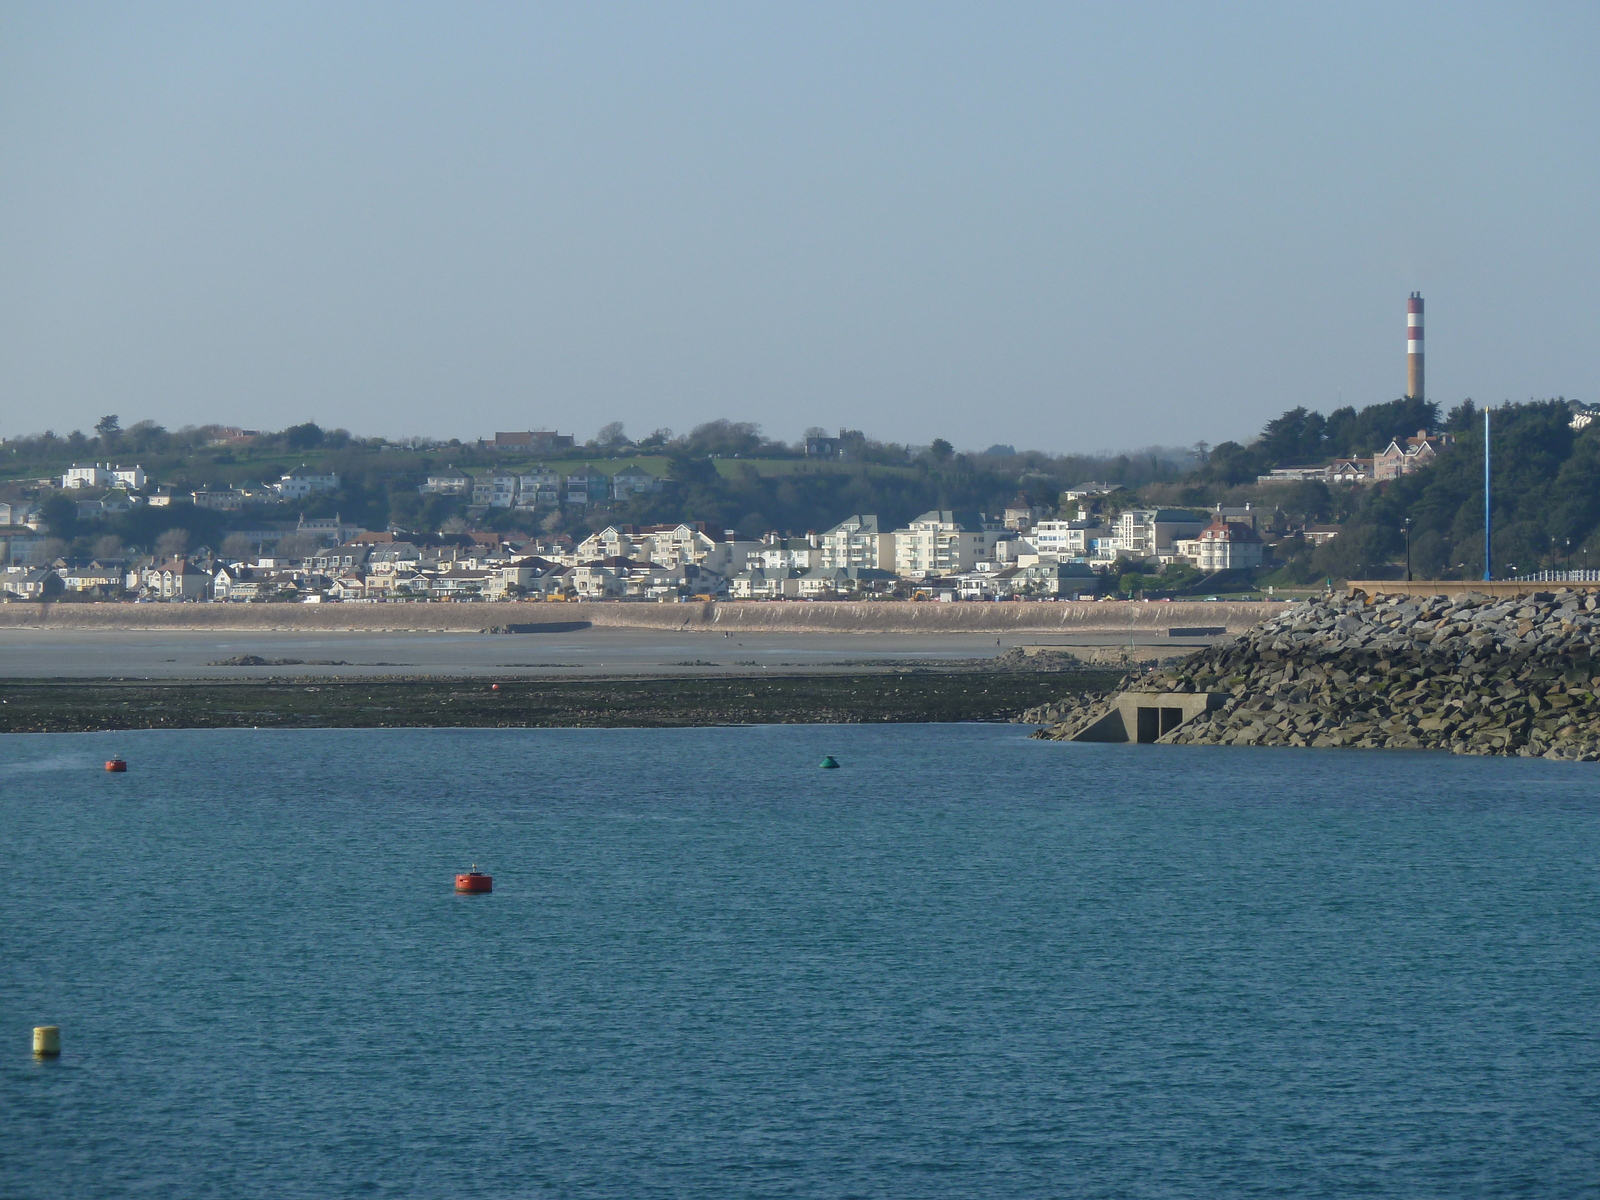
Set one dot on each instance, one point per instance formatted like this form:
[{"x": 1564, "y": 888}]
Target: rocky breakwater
[{"x": 1470, "y": 674}]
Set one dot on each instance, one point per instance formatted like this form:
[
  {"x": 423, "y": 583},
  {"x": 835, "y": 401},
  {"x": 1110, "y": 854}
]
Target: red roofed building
[{"x": 1223, "y": 546}]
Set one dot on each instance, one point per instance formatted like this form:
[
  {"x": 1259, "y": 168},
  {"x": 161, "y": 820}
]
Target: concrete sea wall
[{"x": 1038, "y": 617}]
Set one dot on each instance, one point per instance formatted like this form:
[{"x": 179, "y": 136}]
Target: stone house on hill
[{"x": 1397, "y": 458}]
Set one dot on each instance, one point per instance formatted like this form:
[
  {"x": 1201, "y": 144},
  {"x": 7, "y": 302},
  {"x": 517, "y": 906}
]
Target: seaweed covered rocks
[
  {"x": 1469, "y": 674},
  {"x": 1074, "y": 711}
]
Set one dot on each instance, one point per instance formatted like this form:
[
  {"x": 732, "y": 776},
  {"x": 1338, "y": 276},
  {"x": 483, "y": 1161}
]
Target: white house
[
  {"x": 1223, "y": 546},
  {"x": 539, "y": 487},
  {"x": 494, "y": 489},
  {"x": 174, "y": 579},
  {"x": 103, "y": 475},
  {"x": 303, "y": 481},
  {"x": 30, "y": 583},
  {"x": 21, "y": 514},
  {"x": 633, "y": 481},
  {"x": 761, "y": 583},
  {"x": 1089, "y": 491},
  {"x": 450, "y": 482}
]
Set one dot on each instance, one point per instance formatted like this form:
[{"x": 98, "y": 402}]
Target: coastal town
[
  {"x": 532, "y": 515},
  {"x": 1025, "y": 551}
]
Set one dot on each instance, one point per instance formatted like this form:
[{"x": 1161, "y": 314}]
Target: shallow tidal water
[{"x": 966, "y": 964}]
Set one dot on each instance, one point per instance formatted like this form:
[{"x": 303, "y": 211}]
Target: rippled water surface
[{"x": 966, "y": 964}]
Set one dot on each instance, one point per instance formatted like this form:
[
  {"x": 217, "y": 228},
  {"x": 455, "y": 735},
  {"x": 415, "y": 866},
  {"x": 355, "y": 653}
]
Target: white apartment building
[
  {"x": 670, "y": 546},
  {"x": 103, "y": 475},
  {"x": 615, "y": 541},
  {"x": 695, "y": 545},
  {"x": 1062, "y": 540},
  {"x": 857, "y": 541},
  {"x": 780, "y": 553},
  {"x": 1151, "y": 532},
  {"x": 942, "y": 542}
]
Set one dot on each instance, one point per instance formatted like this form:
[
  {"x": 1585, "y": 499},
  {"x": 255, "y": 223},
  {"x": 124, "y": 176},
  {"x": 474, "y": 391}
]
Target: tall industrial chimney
[{"x": 1414, "y": 347}]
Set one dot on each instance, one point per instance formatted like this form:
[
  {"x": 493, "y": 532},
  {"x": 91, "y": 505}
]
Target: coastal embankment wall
[
  {"x": 1472, "y": 674},
  {"x": 1499, "y": 589},
  {"x": 1037, "y": 617}
]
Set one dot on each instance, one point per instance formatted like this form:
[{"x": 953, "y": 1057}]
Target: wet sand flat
[{"x": 597, "y": 651}]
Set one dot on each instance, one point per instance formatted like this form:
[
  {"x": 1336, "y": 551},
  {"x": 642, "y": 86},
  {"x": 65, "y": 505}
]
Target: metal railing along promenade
[{"x": 1559, "y": 577}]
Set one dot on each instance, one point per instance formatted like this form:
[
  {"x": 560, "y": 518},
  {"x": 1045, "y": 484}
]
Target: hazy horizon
[{"x": 1056, "y": 227}]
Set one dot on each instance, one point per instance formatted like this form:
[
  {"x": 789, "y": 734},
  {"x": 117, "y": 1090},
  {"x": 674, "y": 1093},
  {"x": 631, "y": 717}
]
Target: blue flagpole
[{"x": 1488, "y": 523}]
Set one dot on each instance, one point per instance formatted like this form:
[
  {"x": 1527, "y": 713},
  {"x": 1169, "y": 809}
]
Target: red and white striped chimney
[{"x": 1414, "y": 346}]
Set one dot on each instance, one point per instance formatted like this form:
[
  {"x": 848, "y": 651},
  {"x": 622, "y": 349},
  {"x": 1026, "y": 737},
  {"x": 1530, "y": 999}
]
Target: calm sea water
[{"x": 966, "y": 964}]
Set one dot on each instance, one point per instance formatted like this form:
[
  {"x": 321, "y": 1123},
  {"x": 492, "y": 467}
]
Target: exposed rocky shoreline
[
  {"x": 1470, "y": 674},
  {"x": 60, "y": 706}
]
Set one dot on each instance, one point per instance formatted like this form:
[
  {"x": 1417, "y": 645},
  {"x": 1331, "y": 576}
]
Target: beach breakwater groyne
[
  {"x": 1035, "y": 617},
  {"x": 1472, "y": 674}
]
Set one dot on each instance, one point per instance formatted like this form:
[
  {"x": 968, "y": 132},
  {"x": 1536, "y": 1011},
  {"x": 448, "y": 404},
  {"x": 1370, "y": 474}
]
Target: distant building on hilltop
[
  {"x": 1397, "y": 458},
  {"x": 533, "y": 441},
  {"x": 841, "y": 449}
]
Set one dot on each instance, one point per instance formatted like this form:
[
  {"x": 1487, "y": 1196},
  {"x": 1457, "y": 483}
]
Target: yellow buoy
[{"x": 47, "y": 1040}]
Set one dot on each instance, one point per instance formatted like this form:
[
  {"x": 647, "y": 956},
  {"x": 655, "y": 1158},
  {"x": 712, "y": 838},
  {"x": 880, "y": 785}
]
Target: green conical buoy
[{"x": 829, "y": 763}]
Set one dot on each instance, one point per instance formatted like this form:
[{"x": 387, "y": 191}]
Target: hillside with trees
[
  {"x": 724, "y": 473},
  {"x": 727, "y": 474}
]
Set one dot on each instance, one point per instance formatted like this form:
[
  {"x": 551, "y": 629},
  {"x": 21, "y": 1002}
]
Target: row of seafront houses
[{"x": 942, "y": 554}]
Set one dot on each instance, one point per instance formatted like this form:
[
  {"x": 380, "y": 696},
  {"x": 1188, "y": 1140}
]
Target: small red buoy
[
  {"x": 474, "y": 881},
  {"x": 494, "y": 687},
  {"x": 116, "y": 764}
]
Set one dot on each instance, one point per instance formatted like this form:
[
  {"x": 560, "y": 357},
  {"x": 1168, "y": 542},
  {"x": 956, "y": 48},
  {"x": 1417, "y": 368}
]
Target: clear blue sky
[{"x": 1069, "y": 227}]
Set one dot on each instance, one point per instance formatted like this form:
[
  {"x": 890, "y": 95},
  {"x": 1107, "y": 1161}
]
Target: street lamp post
[{"x": 1408, "y": 549}]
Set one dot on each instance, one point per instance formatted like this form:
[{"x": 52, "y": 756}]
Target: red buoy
[
  {"x": 116, "y": 764},
  {"x": 474, "y": 881}
]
